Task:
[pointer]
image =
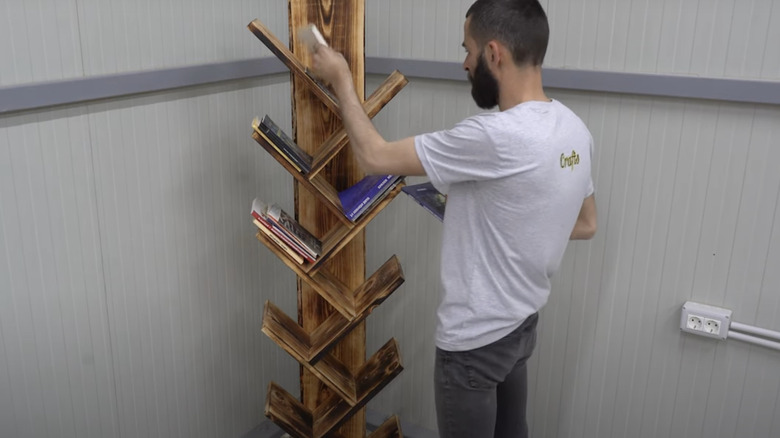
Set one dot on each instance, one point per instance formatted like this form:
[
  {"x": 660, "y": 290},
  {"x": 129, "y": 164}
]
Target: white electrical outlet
[
  {"x": 705, "y": 320},
  {"x": 712, "y": 326},
  {"x": 694, "y": 322}
]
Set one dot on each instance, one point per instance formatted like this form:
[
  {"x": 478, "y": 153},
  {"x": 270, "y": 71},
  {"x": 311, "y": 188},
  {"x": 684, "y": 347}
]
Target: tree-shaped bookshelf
[{"x": 333, "y": 296}]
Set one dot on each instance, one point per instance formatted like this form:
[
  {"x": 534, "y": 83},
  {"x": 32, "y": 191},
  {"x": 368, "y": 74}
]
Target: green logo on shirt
[{"x": 570, "y": 161}]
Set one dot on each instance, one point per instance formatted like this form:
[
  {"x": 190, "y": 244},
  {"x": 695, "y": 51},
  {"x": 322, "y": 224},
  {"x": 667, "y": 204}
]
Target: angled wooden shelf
[
  {"x": 327, "y": 286},
  {"x": 339, "y": 139},
  {"x": 376, "y": 373},
  {"x": 350, "y": 381},
  {"x": 292, "y": 416},
  {"x": 291, "y": 61},
  {"x": 310, "y": 347},
  {"x": 391, "y": 428},
  {"x": 336, "y": 238},
  {"x": 384, "y": 94},
  {"x": 378, "y": 99},
  {"x": 317, "y": 185}
]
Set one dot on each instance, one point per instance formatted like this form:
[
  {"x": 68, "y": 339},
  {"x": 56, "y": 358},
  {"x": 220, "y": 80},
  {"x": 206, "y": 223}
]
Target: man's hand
[
  {"x": 330, "y": 66},
  {"x": 374, "y": 155}
]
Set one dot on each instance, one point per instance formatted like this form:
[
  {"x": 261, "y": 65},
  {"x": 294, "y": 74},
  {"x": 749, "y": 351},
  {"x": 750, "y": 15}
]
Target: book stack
[
  {"x": 283, "y": 144},
  {"x": 286, "y": 232},
  {"x": 359, "y": 198}
]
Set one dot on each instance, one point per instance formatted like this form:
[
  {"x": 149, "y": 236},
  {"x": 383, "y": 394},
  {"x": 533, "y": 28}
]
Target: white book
[{"x": 311, "y": 36}]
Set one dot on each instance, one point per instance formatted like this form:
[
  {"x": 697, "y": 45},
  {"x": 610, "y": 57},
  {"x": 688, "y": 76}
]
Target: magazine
[
  {"x": 294, "y": 230},
  {"x": 426, "y": 195},
  {"x": 357, "y": 199},
  {"x": 261, "y": 213}
]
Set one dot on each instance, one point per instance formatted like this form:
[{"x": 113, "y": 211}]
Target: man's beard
[{"x": 484, "y": 86}]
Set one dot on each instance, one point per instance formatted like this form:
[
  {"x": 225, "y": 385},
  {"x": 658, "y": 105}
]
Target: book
[
  {"x": 311, "y": 36},
  {"x": 381, "y": 195},
  {"x": 357, "y": 199},
  {"x": 274, "y": 238},
  {"x": 294, "y": 230},
  {"x": 426, "y": 195},
  {"x": 284, "y": 143},
  {"x": 256, "y": 127},
  {"x": 260, "y": 214}
]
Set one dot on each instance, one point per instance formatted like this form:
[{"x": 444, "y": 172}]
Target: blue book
[
  {"x": 357, "y": 199},
  {"x": 426, "y": 195}
]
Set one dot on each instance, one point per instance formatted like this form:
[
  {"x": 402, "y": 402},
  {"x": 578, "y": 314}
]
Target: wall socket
[{"x": 705, "y": 320}]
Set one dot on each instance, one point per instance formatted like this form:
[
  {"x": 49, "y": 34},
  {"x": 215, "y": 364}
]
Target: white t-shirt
[{"x": 515, "y": 181}]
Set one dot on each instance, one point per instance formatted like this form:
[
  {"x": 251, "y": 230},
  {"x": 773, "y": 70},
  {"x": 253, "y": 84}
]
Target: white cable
[
  {"x": 754, "y": 340},
  {"x": 744, "y": 328}
]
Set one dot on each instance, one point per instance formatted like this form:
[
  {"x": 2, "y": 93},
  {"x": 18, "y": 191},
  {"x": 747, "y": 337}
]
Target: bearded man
[{"x": 515, "y": 198}]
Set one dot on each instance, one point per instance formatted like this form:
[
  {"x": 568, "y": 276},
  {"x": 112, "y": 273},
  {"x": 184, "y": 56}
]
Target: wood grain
[
  {"x": 383, "y": 366},
  {"x": 333, "y": 298},
  {"x": 315, "y": 184},
  {"x": 339, "y": 298},
  {"x": 297, "y": 69},
  {"x": 378, "y": 99},
  {"x": 377, "y": 372},
  {"x": 341, "y": 237},
  {"x": 343, "y": 25},
  {"x": 377, "y": 288},
  {"x": 311, "y": 347},
  {"x": 287, "y": 412},
  {"x": 391, "y": 428},
  {"x": 322, "y": 421}
]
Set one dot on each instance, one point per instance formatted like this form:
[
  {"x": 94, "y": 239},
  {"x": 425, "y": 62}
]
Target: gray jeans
[{"x": 482, "y": 393}]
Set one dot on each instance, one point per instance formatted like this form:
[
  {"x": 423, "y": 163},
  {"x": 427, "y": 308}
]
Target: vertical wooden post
[{"x": 342, "y": 23}]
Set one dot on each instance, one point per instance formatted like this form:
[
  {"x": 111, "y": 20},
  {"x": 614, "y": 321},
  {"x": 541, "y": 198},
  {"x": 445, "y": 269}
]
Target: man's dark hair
[{"x": 521, "y": 25}]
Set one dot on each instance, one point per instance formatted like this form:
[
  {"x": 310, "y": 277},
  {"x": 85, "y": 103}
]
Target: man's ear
[{"x": 493, "y": 53}]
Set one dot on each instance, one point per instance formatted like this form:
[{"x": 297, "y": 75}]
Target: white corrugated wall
[
  {"x": 131, "y": 284},
  {"x": 689, "y": 201}
]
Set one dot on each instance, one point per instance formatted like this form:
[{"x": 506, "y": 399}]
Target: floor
[{"x": 267, "y": 429}]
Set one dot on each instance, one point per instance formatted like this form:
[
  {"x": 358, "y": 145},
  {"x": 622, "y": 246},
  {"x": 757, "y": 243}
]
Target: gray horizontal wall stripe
[
  {"x": 766, "y": 92},
  {"x": 732, "y": 90},
  {"x": 42, "y": 95},
  {"x": 416, "y": 68},
  {"x": 46, "y": 94}
]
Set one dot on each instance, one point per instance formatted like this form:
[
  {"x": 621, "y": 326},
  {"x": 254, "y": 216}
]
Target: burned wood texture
[
  {"x": 334, "y": 298},
  {"x": 322, "y": 421},
  {"x": 355, "y": 388},
  {"x": 297, "y": 69},
  {"x": 316, "y": 185},
  {"x": 391, "y": 428},
  {"x": 378, "y": 99},
  {"x": 310, "y": 347},
  {"x": 287, "y": 412},
  {"x": 343, "y": 25}
]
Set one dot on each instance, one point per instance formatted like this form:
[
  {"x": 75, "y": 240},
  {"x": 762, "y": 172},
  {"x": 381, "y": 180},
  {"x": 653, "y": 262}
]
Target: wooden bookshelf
[
  {"x": 320, "y": 187},
  {"x": 354, "y": 307},
  {"x": 381, "y": 97},
  {"x": 334, "y": 296},
  {"x": 297, "y": 420}
]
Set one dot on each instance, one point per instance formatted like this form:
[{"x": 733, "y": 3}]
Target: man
[{"x": 519, "y": 187}]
